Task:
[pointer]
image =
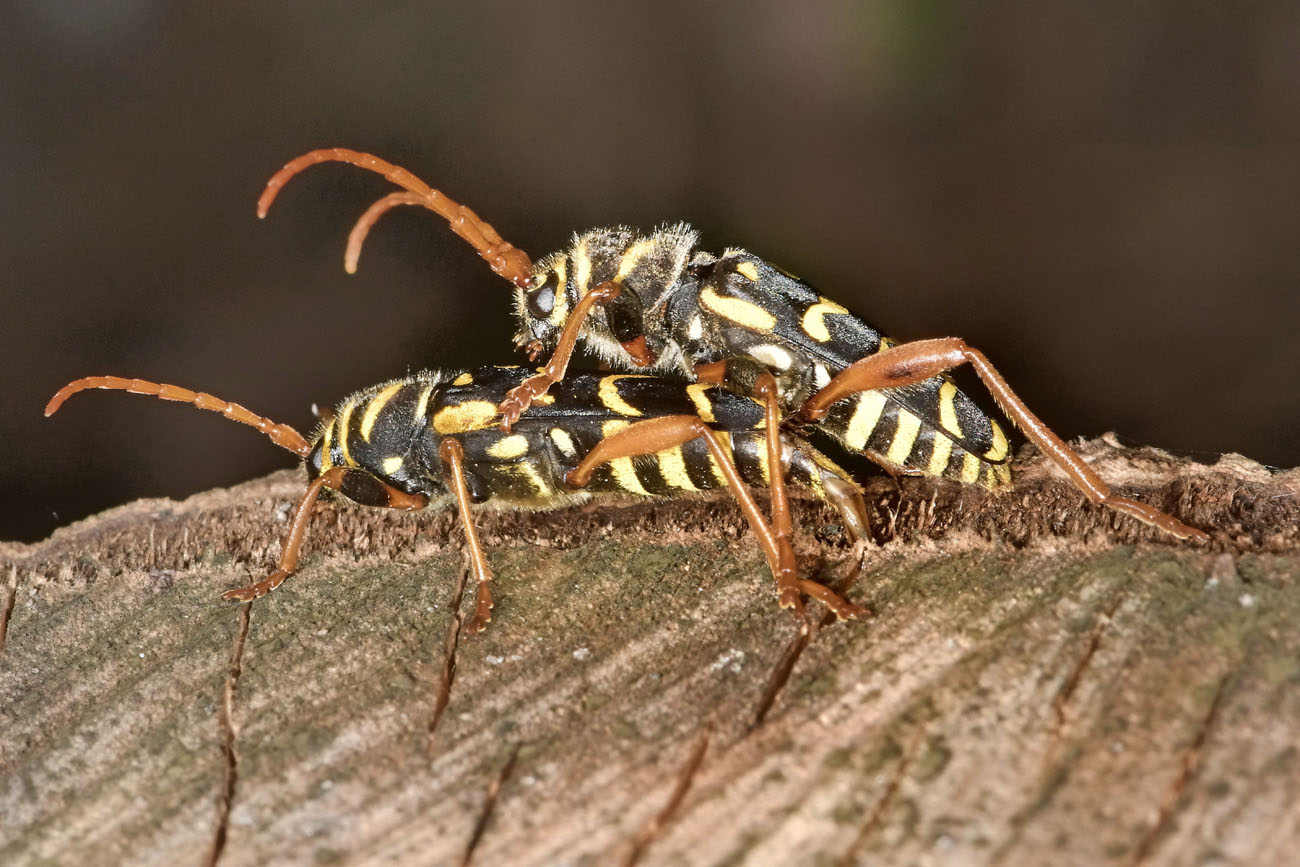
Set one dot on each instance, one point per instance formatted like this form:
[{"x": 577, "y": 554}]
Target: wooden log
[{"x": 1042, "y": 682}]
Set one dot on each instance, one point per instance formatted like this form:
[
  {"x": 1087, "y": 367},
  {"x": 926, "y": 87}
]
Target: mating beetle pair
[{"x": 757, "y": 357}]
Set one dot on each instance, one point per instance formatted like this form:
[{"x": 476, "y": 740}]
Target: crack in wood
[
  {"x": 229, "y": 733},
  {"x": 1076, "y": 674},
  {"x": 489, "y": 805},
  {"x": 780, "y": 676},
  {"x": 450, "y": 646},
  {"x": 876, "y": 817},
  {"x": 7, "y": 611},
  {"x": 655, "y": 827},
  {"x": 1190, "y": 762}
]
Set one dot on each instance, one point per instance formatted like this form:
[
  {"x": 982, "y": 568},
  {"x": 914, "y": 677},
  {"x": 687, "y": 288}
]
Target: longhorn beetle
[
  {"x": 432, "y": 438},
  {"x": 657, "y": 302}
]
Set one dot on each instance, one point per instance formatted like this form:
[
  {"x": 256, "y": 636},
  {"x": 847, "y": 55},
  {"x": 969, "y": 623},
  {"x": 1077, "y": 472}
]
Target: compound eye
[{"x": 541, "y": 301}]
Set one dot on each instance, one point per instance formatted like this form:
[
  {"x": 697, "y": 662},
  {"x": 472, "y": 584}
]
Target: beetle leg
[
  {"x": 654, "y": 435},
  {"x": 336, "y": 479},
  {"x": 521, "y": 396},
  {"x": 453, "y": 459},
  {"x": 922, "y": 359}
]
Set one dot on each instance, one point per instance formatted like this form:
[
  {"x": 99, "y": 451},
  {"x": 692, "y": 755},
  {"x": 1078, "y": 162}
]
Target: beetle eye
[{"x": 541, "y": 301}]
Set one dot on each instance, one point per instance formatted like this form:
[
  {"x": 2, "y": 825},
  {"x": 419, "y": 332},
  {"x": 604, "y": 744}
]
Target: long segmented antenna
[
  {"x": 503, "y": 257},
  {"x": 281, "y": 434},
  {"x": 361, "y": 228}
]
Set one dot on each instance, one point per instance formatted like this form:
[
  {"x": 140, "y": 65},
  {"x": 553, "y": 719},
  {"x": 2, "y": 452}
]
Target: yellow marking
[
  {"x": 814, "y": 481},
  {"x": 886, "y": 343},
  {"x": 1003, "y": 473},
  {"x": 998, "y": 450},
  {"x": 814, "y": 319},
  {"x": 376, "y": 406},
  {"x": 763, "y": 469},
  {"x": 621, "y": 468},
  {"x": 940, "y": 456},
  {"x": 748, "y": 270},
  {"x": 864, "y": 419},
  {"x": 947, "y": 411},
  {"x": 698, "y": 394},
  {"x": 970, "y": 469},
  {"x": 463, "y": 379},
  {"x": 738, "y": 310},
  {"x": 326, "y": 447},
  {"x": 391, "y": 465},
  {"x": 904, "y": 438},
  {"x": 609, "y": 396},
  {"x": 563, "y": 442},
  {"x": 773, "y": 356},
  {"x": 724, "y": 439},
  {"x": 508, "y": 448},
  {"x": 422, "y": 405},
  {"x": 467, "y": 416},
  {"x": 560, "y": 311},
  {"x": 672, "y": 466},
  {"x": 633, "y": 257},
  {"x": 345, "y": 419},
  {"x": 525, "y": 471},
  {"x": 581, "y": 267},
  {"x": 544, "y": 400}
]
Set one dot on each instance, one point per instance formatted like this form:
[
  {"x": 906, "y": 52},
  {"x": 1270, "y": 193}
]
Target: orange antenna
[
  {"x": 281, "y": 434},
  {"x": 361, "y": 229},
  {"x": 503, "y": 257}
]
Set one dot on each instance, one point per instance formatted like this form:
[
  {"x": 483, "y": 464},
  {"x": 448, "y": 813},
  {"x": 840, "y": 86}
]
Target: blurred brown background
[{"x": 1104, "y": 198}]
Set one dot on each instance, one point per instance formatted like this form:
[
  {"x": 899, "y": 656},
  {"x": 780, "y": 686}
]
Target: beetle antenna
[
  {"x": 281, "y": 434},
  {"x": 503, "y": 257}
]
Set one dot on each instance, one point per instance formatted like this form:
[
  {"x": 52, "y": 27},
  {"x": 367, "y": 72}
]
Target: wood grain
[{"x": 1042, "y": 682}]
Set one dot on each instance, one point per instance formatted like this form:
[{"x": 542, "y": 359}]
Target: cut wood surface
[{"x": 1042, "y": 682}]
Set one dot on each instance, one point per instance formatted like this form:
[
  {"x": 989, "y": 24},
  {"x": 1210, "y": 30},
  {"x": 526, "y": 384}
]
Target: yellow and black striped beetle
[
  {"x": 435, "y": 438},
  {"x": 656, "y": 302}
]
